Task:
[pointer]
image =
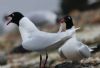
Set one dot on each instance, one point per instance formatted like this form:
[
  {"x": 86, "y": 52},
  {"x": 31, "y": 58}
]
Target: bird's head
[
  {"x": 14, "y": 17},
  {"x": 68, "y": 21}
]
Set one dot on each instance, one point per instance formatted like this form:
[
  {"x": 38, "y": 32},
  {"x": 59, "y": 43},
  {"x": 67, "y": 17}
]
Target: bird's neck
[
  {"x": 27, "y": 25},
  {"x": 60, "y": 28},
  {"x": 26, "y": 28},
  {"x": 74, "y": 35}
]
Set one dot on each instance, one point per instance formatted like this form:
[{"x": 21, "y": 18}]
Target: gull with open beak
[{"x": 74, "y": 49}]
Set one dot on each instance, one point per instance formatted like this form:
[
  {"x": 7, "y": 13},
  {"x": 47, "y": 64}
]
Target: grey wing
[{"x": 84, "y": 51}]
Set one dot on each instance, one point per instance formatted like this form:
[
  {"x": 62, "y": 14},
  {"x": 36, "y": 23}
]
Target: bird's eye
[
  {"x": 12, "y": 14},
  {"x": 69, "y": 17}
]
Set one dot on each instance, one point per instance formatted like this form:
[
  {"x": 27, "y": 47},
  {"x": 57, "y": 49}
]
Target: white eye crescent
[
  {"x": 69, "y": 17},
  {"x": 12, "y": 14}
]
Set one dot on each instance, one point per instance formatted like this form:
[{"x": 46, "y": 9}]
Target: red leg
[
  {"x": 46, "y": 60},
  {"x": 40, "y": 60}
]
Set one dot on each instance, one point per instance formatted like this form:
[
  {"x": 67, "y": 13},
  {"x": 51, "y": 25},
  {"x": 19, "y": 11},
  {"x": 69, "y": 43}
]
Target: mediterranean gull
[
  {"x": 44, "y": 20},
  {"x": 73, "y": 49}
]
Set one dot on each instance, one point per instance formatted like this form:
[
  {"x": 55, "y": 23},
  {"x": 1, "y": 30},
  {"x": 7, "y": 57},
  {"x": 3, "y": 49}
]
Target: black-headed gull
[
  {"x": 73, "y": 49},
  {"x": 34, "y": 39}
]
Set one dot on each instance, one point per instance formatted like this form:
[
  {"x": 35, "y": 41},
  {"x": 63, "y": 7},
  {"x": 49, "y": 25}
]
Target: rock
[
  {"x": 67, "y": 65},
  {"x": 73, "y": 65}
]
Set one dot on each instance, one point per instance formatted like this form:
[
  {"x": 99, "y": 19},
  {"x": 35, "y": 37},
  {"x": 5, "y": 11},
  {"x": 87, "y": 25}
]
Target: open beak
[
  {"x": 8, "y": 19},
  {"x": 61, "y": 20}
]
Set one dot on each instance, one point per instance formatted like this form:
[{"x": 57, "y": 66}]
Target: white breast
[
  {"x": 74, "y": 50},
  {"x": 26, "y": 28}
]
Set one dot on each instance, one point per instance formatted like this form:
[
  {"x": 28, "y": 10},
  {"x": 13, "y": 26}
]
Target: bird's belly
[
  {"x": 34, "y": 46},
  {"x": 38, "y": 45},
  {"x": 70, "y": 50},
  {"x": 41, "y": 42},
  {"x": 71, "y": 53}
]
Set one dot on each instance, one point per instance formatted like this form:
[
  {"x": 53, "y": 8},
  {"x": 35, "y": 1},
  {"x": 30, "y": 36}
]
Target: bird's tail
[{"x": 95, "y": 48}]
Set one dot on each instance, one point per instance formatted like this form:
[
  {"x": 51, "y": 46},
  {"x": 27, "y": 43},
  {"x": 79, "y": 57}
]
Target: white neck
[
  {"x": 26, "y": 28},
  {"x": 60, "y": 28},
  {"x": 27, "y": 24},
  {"x": 74, "y": 35}
]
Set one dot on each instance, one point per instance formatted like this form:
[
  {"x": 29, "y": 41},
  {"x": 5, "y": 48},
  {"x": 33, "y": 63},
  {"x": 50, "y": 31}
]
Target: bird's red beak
[
  {"x": 61, "y": 20},
  {"x": 7, "y": 19}
]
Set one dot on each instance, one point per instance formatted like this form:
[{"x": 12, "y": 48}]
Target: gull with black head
[{"x": 74, "y": 49}]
